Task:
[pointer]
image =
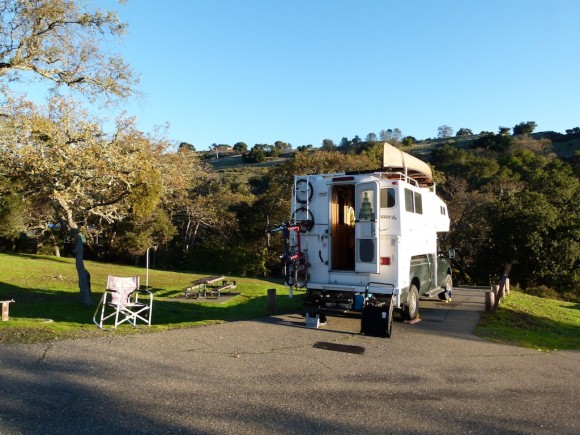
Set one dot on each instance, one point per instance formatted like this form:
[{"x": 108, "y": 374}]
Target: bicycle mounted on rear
[{"x": 294, "y": 260}]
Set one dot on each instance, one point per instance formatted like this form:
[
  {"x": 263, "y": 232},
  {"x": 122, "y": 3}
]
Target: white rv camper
[{"x": 372, "y": 236}]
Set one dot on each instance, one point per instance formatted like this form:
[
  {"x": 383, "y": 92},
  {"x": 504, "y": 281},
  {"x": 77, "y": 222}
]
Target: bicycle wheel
[
  {"x": 301, "y": 275},
  {"x": 289, "y": 273},
  {"x": 304, "y": 217}
]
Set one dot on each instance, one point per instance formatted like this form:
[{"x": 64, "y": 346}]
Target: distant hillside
[
  {"x": 236, "y": 160},
  {"x": 568, "y": 149},
  {"x": 564, "y": 148},
  {"x": 228, "y": 161}
]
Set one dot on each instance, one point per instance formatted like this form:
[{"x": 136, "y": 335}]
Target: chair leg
[
  {"x": 122, "y": 314},
  {"x": 100, "y": 305},
  {"x": 117, "y": 323}
]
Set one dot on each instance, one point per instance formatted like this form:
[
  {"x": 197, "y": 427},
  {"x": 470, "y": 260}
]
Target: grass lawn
[
  {"x": 47, "y": 305},
  {"x": 533, "y": 322},
  {"x": 46, "y": 295}
]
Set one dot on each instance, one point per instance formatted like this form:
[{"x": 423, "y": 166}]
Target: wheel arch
[{"x": 416, "y": 282}]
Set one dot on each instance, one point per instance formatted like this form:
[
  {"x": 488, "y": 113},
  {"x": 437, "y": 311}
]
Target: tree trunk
[
  {"x": 54, "y": 242},
  {"x": 83, "y": 274},
  {"x": 194, "y": 236}
]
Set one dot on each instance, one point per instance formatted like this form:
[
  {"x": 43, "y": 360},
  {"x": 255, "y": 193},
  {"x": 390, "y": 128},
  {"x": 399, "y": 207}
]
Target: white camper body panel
[{"x": 367, "y": 229}]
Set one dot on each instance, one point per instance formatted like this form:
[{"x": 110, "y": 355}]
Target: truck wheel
[
  {"x": 390, "y": 319},
  {"x": 445, "y": 295},
  {"x": 411, "y": 307}
]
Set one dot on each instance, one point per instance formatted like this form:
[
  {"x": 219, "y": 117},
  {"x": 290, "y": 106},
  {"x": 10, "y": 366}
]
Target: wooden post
[
  {"x": 272, "y": 301},
  {"x": 502, "y": 285},
  {"x": 507, "y": 286},
  {"x": 489, "y": 301},
  {"x": 5, "y": 309}
]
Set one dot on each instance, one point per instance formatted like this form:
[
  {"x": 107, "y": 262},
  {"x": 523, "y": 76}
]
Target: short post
[
  {"x": 272, "y": 301},
  {"x": 501, "y": 288},
  {"x": 507, "y": 287},
  {"x": 489, "y": 301},
  {"x": 5, "y": 309}
]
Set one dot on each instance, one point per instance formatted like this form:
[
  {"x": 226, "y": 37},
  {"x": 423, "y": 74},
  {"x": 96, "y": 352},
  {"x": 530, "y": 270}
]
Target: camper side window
[
  {"x": 387, "y": 197},
  {"x": 409, "y": 200},
  {"x": 413, "y": 202},
  {"x": 418, "y": 203}
]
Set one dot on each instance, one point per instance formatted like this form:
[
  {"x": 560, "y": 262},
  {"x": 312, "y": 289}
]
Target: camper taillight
[{"x": 385, "y": 261}]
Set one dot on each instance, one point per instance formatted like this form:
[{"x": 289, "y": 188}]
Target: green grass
[
  {"x": 533, "y": 322},
  {"x": 47, "y": 305},
  {"x": 46, "y": 295}
]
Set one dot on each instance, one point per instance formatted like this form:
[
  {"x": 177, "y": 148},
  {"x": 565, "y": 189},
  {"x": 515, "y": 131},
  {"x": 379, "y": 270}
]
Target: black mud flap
[{"x": 377, "y": 319}]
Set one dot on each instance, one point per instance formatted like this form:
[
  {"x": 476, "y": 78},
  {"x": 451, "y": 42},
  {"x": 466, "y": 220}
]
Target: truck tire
[
  {"x": 445, "y": 295},
  {"x": 411, "y": 307},
  {"x": 390, "y": 319}
]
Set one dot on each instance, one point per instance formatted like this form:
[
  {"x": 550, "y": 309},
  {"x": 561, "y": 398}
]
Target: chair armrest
[{"x": 144, "y": 291}]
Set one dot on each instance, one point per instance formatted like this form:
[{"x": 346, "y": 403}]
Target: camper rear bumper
[
  {"x": 373, "y": 287},
  {"x": 336, "y": 297}
]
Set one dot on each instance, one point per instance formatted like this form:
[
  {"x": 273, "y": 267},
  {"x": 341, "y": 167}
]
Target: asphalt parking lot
[{"x": 274, "y": 375}]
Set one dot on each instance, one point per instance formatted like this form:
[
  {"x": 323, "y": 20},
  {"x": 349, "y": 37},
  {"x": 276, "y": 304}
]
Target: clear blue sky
[{"x": 257, "y": 71}]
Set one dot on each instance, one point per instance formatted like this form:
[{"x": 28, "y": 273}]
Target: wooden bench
[{"x": 208, "y": 287}]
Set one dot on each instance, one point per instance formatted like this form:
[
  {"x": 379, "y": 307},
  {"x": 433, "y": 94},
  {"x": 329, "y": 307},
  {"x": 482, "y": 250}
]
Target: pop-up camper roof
[{"x": 396, "y": 160}]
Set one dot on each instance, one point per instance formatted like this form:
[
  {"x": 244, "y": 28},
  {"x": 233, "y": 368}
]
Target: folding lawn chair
[{"x": 121, "y": 302}]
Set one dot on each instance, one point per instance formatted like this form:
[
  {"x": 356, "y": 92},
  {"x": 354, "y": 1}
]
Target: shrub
[{"x": 542, "y": 291}]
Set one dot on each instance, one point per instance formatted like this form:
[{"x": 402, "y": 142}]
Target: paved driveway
[{"x": 276, "y": 376}]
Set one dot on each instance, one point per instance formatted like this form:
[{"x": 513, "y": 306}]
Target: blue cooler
[{"x": 358, "y": 302}]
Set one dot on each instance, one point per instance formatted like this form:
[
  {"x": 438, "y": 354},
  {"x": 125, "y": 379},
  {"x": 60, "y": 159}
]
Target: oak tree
[
  {"x": 525, "y": 127},
  {"x": 59, "y": 41},
  {"x": 59, "y": 157},
  {"x": 444, "y": 131}
]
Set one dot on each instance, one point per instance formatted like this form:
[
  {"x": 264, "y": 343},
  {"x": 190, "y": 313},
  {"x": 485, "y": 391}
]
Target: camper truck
[{"x": 371, "y": 238}]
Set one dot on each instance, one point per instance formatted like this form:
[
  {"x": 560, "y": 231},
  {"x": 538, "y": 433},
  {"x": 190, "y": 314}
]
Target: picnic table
[{"x": 208, "y": 287}]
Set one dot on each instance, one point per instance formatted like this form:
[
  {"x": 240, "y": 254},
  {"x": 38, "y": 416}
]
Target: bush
[{"x": 542, "y": 291}]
